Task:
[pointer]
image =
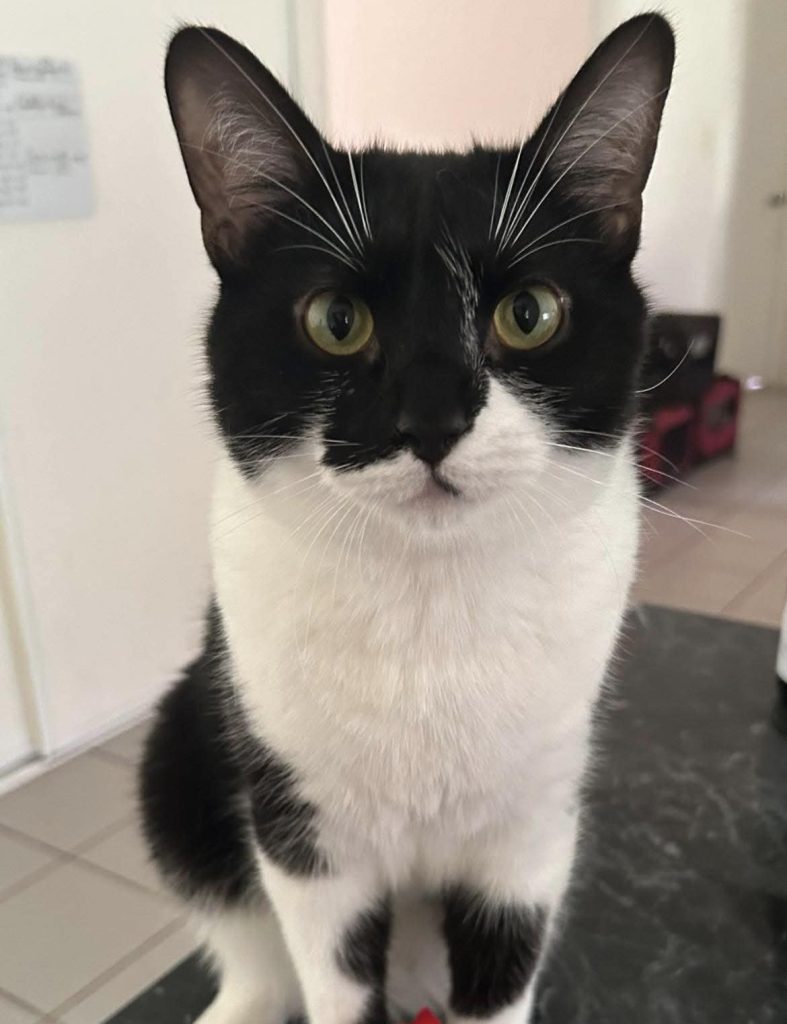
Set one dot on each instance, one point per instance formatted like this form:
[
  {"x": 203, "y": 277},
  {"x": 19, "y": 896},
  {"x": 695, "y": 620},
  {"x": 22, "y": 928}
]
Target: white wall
[
  {"x": 687, "y": 202},
  {"x": 436, "y": 72},
  {"x": 103, "y": 438}
]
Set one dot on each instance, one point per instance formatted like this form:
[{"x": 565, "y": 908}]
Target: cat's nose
[{"x": 431, "y": 438}]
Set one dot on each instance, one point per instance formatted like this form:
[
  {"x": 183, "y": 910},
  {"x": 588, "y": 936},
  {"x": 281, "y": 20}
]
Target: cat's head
[{"x": 426, "y": 328}]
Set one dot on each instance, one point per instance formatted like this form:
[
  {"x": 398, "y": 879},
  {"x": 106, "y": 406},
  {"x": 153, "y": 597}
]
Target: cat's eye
[
  {"x": 339, "y": 324},
  {"x": 527, "y": 319}
]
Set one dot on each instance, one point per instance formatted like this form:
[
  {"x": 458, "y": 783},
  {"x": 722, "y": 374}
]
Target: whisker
[
  {"x": 511, "y": 181},
  {"x": 345, "y": 548},
  {"x": 295, "y": 437},
  {"x": 672, "y": 372},
  {"x": 341, "y": 254},
  {"x": 364, "y": 221},
  {"x": 353, "y": 225},
  {"x": 512, "y": 221},
  {"x": 344, "y": 509},
  {"x": 667, "y": 476},
  {"x": 267, "y": 494},
  {"x": 569, "y": 220},
  {"x": 261, "y": 511},
  {"x": 547, "y": 245},
  {"x": 350, "y": 260},
  {"x": 694, "y": 524},
  {"x": 373, "y": 507},
  {"x": 321, "y": 248},
  {"x": 494, "y": 195},
  {"x": 658, "y": 455},
  {"x": 656, "y": 506},
  {"x": 617, "y": 438},
  {"x": 611, "y": 455},
  {"x": 327, "y": 502},
  {"x": 363, "y": 194}
]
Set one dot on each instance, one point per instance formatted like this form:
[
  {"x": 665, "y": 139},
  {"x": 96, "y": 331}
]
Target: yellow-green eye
[
  {"x": 529, "y": 318},
  {"x": 339, "y": 324}
]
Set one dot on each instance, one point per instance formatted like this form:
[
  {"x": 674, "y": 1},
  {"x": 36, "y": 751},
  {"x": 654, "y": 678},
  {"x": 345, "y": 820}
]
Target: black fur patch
[
  {"x": 364, "y": 950},
  {"x": 376, "y": 1010},
  {"x": 363, "y": 956},
  {"x": 491, "y": 951},
  {"x": 190, "y": 789},
  {"x": 200, "y": 774},
  {"x": 283, "y": 823}
]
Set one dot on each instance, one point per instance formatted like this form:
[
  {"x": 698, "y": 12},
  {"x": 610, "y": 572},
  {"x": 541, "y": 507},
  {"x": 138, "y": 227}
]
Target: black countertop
[{"x": 678, "y": 910}]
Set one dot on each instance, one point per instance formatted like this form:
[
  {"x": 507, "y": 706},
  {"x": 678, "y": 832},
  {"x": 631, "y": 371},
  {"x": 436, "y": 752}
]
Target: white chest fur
[{"x": 419, "y": 688}]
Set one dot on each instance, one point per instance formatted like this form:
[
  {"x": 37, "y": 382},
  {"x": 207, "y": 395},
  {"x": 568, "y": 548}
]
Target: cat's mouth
[
  {"x": 437, "y": 489},
  {"x": 443, "y": 484}
]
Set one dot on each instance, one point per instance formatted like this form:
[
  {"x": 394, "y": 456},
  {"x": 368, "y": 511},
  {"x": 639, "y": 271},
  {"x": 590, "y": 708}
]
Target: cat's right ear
[{"x": 244, "y": 140}]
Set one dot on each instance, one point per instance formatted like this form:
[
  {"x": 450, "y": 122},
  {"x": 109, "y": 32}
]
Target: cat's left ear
[
  {"x": 245, "y": 141},
  {"x": 600, "y": 136}
]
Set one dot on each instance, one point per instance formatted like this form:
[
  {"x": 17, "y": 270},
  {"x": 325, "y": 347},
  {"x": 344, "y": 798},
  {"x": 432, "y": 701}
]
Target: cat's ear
[
  {"x": 244, "y": 140},
  {"x": 600, "y": 136}
]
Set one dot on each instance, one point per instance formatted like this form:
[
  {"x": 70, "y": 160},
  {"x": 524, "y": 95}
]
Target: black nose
[{"x": 431, "y": 437}]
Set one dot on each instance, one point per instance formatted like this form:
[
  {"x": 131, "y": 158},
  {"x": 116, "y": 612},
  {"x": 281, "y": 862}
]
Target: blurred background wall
[
  {"x": 440, "y": 72},
  {"x": 105, "y": 452},
  {"x": 682, "y": 260}
]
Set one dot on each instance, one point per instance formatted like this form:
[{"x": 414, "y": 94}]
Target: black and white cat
[{"x": 423, "y": 369}]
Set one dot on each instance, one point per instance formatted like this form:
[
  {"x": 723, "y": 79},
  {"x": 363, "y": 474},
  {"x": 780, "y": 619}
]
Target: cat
[{"x": 423, "y": 368}]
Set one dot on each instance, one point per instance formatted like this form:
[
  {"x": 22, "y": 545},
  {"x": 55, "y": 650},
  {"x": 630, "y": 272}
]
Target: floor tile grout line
[
  {"x": 105, "y": 833},
  {"x": 758, "y": 579},
  {"x": 25, "y": 837},
  {"x": 62, "y": 858},
  {"x": 114, "y": 876},
  {"x": 35, "y": 876},
  {"x": 16, "y": 833},
  {"x": 108, "y": 755},
  {"x": 22, "y": 1003},
  {"x": 125, "y": 961}
]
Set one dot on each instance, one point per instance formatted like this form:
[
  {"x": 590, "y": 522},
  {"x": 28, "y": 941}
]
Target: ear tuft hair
[{"x": 244, "y": 140}]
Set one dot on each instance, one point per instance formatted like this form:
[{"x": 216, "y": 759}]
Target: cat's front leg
[
  {"x": 498, "y": 915},
  {"x": 337, "y": 928}
]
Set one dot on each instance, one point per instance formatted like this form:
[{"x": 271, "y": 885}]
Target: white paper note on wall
[{"x": 44, "y": 167}]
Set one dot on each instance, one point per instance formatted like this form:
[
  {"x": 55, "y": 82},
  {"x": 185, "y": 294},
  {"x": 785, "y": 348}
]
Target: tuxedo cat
[{"x": 423, "y": 369}]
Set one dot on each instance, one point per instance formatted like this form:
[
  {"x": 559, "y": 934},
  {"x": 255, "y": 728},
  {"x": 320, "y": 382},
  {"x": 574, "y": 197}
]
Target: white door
[{"x": 755, "y": 329}]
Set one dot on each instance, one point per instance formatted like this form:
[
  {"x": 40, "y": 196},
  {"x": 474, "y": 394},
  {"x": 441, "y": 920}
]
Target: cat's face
[{"x": 428, "y": 329}]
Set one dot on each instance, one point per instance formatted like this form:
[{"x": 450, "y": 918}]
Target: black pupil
[
  {"x": 526, "y": 311},
  {"x": 340, "y": 317}
]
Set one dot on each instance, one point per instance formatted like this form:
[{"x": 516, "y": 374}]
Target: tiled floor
[
  {"x": 707, "y": 568},
  {"x": 84, "y": 925}
]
